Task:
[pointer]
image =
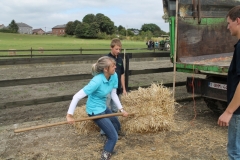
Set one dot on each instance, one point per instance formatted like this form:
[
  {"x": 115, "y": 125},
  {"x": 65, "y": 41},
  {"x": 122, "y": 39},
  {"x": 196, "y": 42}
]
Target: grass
[{"x": 45, "y": 42}]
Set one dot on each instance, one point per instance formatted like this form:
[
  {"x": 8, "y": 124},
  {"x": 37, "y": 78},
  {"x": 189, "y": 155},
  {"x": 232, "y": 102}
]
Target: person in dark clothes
[
  {"x": 116, "y": 46},
  {"x": 231, "y": 116}
]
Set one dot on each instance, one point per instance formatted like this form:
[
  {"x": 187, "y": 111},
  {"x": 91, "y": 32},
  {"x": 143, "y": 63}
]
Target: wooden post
[
  {"x": 31, "y": 52},
  {"x": 175, "y": 50},
  {"x": 126, "y": 71}
]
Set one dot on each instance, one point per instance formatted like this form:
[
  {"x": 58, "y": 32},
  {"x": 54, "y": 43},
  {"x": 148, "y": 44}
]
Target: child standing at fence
[
  {"x": 105, "y": 81},
  {"x": 116, "y": 46}
]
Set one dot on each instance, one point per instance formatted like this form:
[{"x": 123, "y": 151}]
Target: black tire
[{"x": 218, "y": 107}]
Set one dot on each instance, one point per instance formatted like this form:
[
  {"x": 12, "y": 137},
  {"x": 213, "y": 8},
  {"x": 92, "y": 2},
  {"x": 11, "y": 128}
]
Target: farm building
[
  {"x": 59, "y": 29},
  {"x": 38, "y": 31},
  {"x": 23, "y": 28},
  {"x": 135, "y": 31},
  {"x": 2, "y": 26}
]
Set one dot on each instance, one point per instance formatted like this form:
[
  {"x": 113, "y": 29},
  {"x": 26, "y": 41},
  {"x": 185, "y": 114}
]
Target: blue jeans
[
  {"x": 233, "y": 146},
  {"x": 111, "y": 104},
  {"x": 110, "y": 126}
]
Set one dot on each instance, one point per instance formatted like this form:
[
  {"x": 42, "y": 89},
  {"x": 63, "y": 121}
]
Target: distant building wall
[
  {"x": 38, "y": 31},
  {"x": 58, "y": 31},
  {"x": 2, "y": 26},
  {"x": 25, "y": 30}
]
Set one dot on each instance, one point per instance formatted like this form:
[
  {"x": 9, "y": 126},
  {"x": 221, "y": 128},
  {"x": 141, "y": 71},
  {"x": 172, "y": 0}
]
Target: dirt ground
[{"x": 195, "y": 136}]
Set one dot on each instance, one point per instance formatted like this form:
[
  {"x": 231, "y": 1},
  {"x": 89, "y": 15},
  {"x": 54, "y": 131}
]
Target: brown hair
[
  {"x": 234, "y": 13},
  {"x": 116, "y": 42},
  {"x": 102, "y": 63}
]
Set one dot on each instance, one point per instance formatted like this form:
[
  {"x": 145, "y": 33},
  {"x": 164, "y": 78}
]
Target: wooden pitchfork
[{"x": 66, "y": 122}]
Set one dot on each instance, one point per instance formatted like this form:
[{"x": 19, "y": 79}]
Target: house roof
[
  {"x": 23, "y": 25},
  {"x": 36, "y": 30},
  {"x": 60, "y": 26}
]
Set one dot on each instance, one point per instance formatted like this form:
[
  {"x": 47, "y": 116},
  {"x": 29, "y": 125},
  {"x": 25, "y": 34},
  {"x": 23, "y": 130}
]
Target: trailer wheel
[{"x": 218, "y": 107}]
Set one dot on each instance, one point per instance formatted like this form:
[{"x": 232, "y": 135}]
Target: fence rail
[
  {"x": 71, "y": 58},
  {"x": 41, "y": 52},
  {"x": 128, "y": 72}
]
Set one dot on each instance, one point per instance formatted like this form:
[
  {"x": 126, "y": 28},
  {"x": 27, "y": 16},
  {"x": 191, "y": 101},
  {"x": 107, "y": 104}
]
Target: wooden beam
[
  {"x": 36, "y": 101},
  {"x": 183, "y": 83},
  {"x": 17, "y": 82},
  {"x": 148, "y": 71},
  {"x": 53, "y": 59}
]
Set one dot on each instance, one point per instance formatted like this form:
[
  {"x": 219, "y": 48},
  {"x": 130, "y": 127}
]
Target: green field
[{"x": 10, "y": 41}]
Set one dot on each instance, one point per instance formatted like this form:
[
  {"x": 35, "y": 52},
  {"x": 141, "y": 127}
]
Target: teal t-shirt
[{"x": 97, "y": 90}]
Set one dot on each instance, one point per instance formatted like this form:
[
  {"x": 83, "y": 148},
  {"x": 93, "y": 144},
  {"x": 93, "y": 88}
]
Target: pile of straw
[{"x": 154, "y": 109}]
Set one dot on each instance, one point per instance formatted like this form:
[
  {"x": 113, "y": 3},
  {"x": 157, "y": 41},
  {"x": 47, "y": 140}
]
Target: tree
[
  {"x": 93, "y": 30},
  {"x": 89, "y": 18},
  {"x": 107, "y": 26},
  {"x": 122, "y": 32},
  {"x": 81, "y": 30},
  {"x": 120, "y": 27},
  {"x": 150, "y": 27},
  {"x": 105, "y": 23},
  {"x": 130, "y": 32},
  {"x": 99, "y": 18},
  {"x": 70, "y": 28},
  {"x": 156, "y": 31},
  {"x": 147, "y": 34},
  {"x": 13, "y": 27},
  {"x": 85, "y": 30},
  {"x": 116, "y": 30},
  {"x": 134, "y": 31},
  {"x": 92, "y": 25},
  {"x": 75, "y": 23}
]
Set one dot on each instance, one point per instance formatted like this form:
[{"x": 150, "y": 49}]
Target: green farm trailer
[{"x": 203, "y": 45}]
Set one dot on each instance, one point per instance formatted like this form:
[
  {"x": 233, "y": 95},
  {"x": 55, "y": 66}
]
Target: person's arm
[
  {"x": 116, "y": 100},
  {"x": 232, "y": 107},
  {"x": 123, "y": 84},
  {"x": 76, "y": 98}
]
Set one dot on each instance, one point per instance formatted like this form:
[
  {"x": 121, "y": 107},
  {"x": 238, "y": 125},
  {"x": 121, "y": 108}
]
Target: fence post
[
  {"x": 31, "y": 52},
  {"x": 124, "y": 58},
  {"x": 126, "y": 71}
]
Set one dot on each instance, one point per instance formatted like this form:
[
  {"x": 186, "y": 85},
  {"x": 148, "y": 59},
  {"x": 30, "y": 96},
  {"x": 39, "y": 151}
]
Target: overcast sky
[{"x": 46, "y": 14}]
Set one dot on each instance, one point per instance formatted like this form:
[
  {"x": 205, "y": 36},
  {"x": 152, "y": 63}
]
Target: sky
[{"x": 46, "y": 14}]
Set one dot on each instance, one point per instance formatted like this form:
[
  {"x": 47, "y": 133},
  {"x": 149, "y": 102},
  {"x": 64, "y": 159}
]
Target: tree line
[
  {"x": 101, "y": 27},
  {"x": 12, "y": 28}
]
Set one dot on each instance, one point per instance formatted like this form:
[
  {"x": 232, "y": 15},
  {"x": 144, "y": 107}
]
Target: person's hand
[
  {"x": 224, "y": 119},
  {"x": 70, "y": 119},
  {"x": 124, "y": 92},
  {"x": 125, "y": 114}
]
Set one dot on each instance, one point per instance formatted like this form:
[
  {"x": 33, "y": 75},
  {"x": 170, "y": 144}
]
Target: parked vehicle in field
[
  {"x": 164, "y": 43},
  {"x": 204, "y": 46}
]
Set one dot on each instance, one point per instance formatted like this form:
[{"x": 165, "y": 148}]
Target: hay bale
[
  {"x": 41, "y": 50},
  {"x": 154, "y": 109},
  {"x": 12, "y": 52},
  {"x": 84, "y": 127}
]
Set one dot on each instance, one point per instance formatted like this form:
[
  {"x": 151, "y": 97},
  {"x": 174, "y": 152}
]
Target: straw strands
[{"x": 153, "y": 107}]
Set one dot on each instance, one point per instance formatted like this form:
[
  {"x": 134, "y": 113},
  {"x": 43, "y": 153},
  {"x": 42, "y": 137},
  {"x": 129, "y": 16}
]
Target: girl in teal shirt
[{"x": 105, "y": 81}]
